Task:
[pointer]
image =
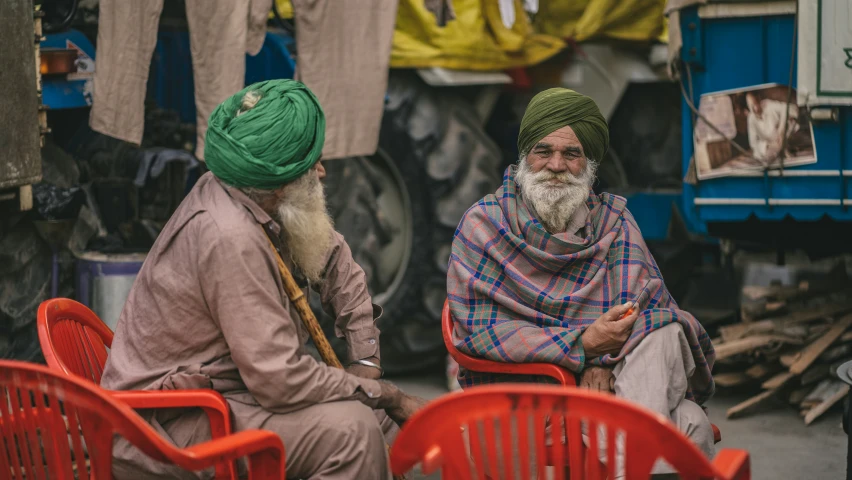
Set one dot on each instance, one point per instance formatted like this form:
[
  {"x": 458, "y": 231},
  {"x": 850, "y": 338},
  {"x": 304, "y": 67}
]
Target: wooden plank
[
  {"x": 841, "y": 350},
  {"x": 789, "y": 359},
  {"x": 833, "y": 353},
  {"x": 796, "y": 396},
  {"x": 815, "y": 349},
  {"x": 841, "y": 390},
  {"x": 847, "y": 337},
  {"x": 731, "y": 379},
  {"x": 815, "y": 374},
  {"x": 749, "y": 405},
  {"x": 743, "y": 345},
  {"x": 740, "y": 330},
  {"x": 778, "y": 380},
  {"x": 25, "y": 198},
  {"x": 763, "y": 370},
  {"x": 820, "y": 393}
]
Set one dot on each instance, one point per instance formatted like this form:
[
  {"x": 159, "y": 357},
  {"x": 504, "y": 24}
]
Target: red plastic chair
[
  {"x": 74, "y": 341},
  {"x": 433, "y": 437},
  {"x": 43, "y": 412},
  {"x": 563, "y": 376}
]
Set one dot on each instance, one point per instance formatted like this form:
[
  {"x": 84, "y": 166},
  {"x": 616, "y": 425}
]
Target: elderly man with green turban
[
  {"x": 546, "y": 270},
  {"x": 208, "y": 308}
]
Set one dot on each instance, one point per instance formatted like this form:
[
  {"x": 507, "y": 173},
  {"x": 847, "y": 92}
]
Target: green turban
[
  {"x": 555, "y": 108},
  {"x": 271, "y": 144}
]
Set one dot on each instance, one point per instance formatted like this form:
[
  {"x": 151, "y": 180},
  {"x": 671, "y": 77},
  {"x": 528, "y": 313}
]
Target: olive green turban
[
  {"x": 555, "y": 108},
  {"x": 271, "y": 144}
]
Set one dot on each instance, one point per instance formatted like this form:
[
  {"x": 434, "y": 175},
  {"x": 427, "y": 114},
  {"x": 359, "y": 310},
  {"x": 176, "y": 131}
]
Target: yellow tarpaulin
[
  {"x": 478, "y": 40},
  {"x": 632, "y": 20}
]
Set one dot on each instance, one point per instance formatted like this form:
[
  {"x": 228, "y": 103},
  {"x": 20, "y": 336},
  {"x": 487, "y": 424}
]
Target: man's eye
[{"x": 543, "y": 153}]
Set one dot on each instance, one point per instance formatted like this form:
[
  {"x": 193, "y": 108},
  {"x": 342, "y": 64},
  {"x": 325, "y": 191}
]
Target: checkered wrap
[{"x": 519, "y": 294}]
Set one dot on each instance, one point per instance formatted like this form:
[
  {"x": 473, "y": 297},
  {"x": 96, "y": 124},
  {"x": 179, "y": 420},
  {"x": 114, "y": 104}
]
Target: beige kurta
[{"x": 208, "y": 310}]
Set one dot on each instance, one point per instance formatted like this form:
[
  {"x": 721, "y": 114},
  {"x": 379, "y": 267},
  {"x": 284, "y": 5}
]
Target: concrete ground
[{"x": 780, "y": 444}]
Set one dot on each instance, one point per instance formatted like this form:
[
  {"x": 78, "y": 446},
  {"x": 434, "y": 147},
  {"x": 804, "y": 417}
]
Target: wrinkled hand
[
  {"x": 608, "y": 334},
  {"x": 398, "y": 405},
  {"x": 364, "y": 371},
  {"x": 598, "y": 379},
  {"x": 408, "y": 406}
]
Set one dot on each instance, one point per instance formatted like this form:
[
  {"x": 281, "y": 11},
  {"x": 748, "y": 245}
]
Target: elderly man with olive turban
[
  {"x": 545, "y": 270},
  {"x": 208, "y": 308}
]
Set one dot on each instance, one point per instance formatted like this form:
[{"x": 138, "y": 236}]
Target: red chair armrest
[
  {"x": 264, "y": 449},
  {"x": 717, "y": 434},
  {"x": 211, "y": 401},
  {"x": 733, "y": 464}
]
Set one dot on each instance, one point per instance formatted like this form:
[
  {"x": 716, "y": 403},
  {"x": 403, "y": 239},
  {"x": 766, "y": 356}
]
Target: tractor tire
[{"x": 398, "y": 211}]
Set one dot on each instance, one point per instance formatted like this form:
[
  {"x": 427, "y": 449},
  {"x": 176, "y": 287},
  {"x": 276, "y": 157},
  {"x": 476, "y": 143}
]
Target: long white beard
[
  {"x": 554, "y": 203},
  {"x": 307, "y": 226}
]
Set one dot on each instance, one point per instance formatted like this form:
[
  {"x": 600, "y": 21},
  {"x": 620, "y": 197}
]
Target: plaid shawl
[{"x": 519, "y": 294}]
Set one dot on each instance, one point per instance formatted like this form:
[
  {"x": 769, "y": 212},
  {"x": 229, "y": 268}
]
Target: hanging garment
[
  {"x": 221, "y": 33},
  {"x": 344, "y": 51}
]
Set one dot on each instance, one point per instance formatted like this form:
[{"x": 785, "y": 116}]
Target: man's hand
[
  {"x": 408, "y": 405},
  {"x": 365, "y": 371},
  {"x": 608, "y": 334},
  {"x": 598, "y": 378},
  {"x": 398, "y": 405}
]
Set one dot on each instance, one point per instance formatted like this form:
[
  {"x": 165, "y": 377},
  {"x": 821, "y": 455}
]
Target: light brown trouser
[
  {"x": 335, "y": 440},
  {"x": 656, "y": 375},
  {"x": 221, "y": 33}
]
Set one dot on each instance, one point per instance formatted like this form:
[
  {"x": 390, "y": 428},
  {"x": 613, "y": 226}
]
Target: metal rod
[
  {"x": 801, "y": 202},
  {"x": 54, "y": 280}
]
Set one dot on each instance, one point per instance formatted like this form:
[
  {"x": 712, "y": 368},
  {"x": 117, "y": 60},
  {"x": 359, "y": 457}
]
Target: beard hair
[
  {"x": 307, "y": 226},
  {"x": 554, "y": 204}
]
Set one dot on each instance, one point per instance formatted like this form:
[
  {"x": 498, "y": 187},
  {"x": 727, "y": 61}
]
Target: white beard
[
  {"x": 553, "y": 205},
  {"x": 307, "y": 226}
]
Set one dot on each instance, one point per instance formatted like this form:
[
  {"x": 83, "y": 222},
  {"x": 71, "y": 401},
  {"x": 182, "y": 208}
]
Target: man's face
[
  {"x": 753, "y": 104},
  {"x": 555, "y": 178},
  {"x": 559, "y": 152}
]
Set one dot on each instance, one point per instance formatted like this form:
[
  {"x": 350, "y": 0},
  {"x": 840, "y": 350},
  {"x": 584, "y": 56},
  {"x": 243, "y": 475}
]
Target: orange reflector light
[{"x": 58, "y": 61}]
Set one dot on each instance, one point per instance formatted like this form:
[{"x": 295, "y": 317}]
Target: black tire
[
  {"x": 445, "y": 162},
  {"x": 24, "y": 284}
]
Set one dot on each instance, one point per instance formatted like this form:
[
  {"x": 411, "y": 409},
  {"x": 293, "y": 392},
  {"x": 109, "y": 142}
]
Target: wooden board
[
  {"x": 840, "y": 390},
  {"x": 762, "y": 370},
  {"x": 819, "y": 393},
  {"x": 778, "y": 380},
  {"x": 796, "y": 396},
  {"x": 731, "y": 379},
  {"x": 815, "y": 374},
  {"x": 815, "y": 349},
  {"x": 740, "y": 330},
  {"x": 750, "y": 404},
  {"x": 743, "y": 345}
]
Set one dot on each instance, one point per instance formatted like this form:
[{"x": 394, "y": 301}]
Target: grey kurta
[{"x": 208, "y": 310}]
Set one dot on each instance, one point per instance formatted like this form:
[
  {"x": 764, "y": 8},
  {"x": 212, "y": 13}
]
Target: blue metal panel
[
  {"x": 170, "y": 83},
  {"x": 653, "y": 212},
  {"x": 744, "y": 52},
  {"x": 75, "y": 91}
]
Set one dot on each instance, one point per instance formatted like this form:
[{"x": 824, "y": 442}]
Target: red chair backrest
[
  {"x": 561, "y": 375},
  {"x": 512, "y": 416},
  {"x": 73, "y": 339},
  {"x": 35, "y": 404}
]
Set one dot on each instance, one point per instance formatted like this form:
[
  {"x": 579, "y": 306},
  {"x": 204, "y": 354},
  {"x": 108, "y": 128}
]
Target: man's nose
[{"x": 557, "y": 164}]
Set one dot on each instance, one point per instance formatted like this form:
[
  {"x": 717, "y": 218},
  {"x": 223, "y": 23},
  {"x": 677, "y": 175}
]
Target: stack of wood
[{"x": 790, "y": 343}]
